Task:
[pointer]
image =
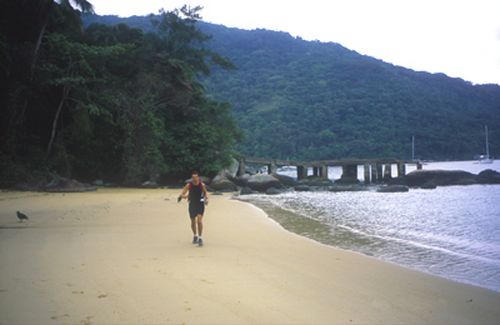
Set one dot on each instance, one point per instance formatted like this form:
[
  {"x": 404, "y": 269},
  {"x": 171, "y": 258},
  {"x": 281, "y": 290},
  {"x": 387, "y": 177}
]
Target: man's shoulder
[{"x": 200, "y": 184}]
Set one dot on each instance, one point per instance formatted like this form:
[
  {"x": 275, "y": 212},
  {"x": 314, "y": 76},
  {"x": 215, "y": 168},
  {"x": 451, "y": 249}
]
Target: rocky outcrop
[
  {"x": 273, "y": 191},
  {"x": 57, "y": 184},
  {"x": 246, "y": 190},
  {"x": 488, "y": 176},
  {"x": 347, "y": 188},
  {"x": 241, "y": 181},
  {"x": 223, "y": 184},
  {"x": 98, "y": 182},
  {"x": 428, "y": 186},
  {"x": 232, "y": 170},
  {"x": 316, "y": 181},
  {"x": 438, "y": 177},
  {"x": 302, "y": 188},
  {"x": 393, "y": 189},
  {"x": 262, "y": 182},
  {"x": 63, "y": 184},
  {"x": 286, "y": 180},
  {"x": 149, "y": 184}
]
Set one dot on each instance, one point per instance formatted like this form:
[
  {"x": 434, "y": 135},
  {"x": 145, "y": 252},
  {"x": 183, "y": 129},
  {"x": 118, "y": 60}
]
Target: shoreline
[
  {"x": 269, "y": 215},
  {"x": 125, "y": 256}
]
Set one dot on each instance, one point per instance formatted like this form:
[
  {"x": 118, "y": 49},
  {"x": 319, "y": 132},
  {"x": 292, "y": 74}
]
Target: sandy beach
[{"x": 124, "y": 256}]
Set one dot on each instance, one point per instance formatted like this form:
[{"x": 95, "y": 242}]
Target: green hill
[{"x": 312, "y": 100}]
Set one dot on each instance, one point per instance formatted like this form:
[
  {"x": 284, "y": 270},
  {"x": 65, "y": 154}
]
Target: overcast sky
[{"x": 460, "y": 38}]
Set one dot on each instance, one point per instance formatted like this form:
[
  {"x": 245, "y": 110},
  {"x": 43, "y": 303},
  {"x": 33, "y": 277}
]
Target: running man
[{"x": 198, "y": 198}]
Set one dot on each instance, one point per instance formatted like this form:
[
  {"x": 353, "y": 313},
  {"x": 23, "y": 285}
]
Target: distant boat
[
  {"x": 485, "y": 159},
  {"x": 423, "y": 162}
]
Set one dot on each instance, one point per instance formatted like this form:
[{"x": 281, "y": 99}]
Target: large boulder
[
  {"x": 393, "y": 189},
  {"x": 261, "y": 182},
  {"x": 232, "y": 170},
  {"x": 439, "y": 177},
  {"x": 241, "y": 181},
  {"x": 223, "y": 184},
  {"x": 246, "y": 191},
  {"x": 488, "y": 176},
  {"x": 286, "y": 180}
]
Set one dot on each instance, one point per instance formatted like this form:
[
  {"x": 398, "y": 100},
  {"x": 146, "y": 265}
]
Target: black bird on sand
[{"x": 21, "y": 216}]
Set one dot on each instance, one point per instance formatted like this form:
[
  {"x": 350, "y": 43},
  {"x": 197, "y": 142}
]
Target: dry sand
[{"x": 125, "y": 256}]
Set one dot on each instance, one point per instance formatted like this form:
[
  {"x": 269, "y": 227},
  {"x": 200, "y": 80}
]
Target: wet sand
[{"x": 125, "y": 256}]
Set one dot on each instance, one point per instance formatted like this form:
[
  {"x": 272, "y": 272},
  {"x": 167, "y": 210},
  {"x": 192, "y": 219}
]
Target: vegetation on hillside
[{"x": 313, "y": 100}]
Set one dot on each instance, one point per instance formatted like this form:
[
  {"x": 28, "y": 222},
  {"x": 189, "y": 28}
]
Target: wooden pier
[{"x": 375, "y": 170}]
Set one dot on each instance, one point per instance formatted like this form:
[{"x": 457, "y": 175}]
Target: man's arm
[
  {"x": 205, "y": 192},
  {"x": 183, "y": 194}
]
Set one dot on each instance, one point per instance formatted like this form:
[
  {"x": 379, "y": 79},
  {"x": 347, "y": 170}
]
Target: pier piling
[
  {"x": 374, "y": 178},
  {"x": 323, "y": 171},
  {"x": 401, "y": 169},
  {"x": 387, "y": 172},
  {"x": 367, "y": 174}
]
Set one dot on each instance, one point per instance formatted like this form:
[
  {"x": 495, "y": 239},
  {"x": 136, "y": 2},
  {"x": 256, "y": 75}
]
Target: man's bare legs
[
  {"x": 193, "y": 226},
  {"x": 199, "y": 223},
  {"x": 197, "y": 228}
]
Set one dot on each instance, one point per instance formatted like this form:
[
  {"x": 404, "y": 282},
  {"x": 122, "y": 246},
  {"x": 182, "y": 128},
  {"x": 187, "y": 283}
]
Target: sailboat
[{"x": 485, "y": 159}]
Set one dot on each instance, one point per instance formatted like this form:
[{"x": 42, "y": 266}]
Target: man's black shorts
[{"x": 196, "y": 209}]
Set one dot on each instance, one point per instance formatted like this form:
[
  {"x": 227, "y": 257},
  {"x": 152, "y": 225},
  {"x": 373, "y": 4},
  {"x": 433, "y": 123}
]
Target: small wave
[{"x": 425, "y": 246}]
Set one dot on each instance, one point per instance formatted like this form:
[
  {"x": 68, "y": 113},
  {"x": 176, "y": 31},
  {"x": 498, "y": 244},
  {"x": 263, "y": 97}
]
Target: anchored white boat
[{"x": 485, "y": 159}]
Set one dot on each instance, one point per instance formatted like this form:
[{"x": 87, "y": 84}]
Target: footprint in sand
[
  {"x": 3, "y": 290},
  {"x": 102, "y": 295},
  {"x": 76, "y": 292},
  {"x": 56, "y": 317},
  {"x": 86, "y": 321}
]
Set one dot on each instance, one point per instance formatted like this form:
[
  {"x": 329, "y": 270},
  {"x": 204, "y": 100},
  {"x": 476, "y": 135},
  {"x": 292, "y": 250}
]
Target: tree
[{"x": 110, "y": 102}]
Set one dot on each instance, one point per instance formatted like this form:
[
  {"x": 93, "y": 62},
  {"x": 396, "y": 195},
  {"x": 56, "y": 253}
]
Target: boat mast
[
  {"x": 487, "y": 144},
  {"x": 412, "y": 147}
]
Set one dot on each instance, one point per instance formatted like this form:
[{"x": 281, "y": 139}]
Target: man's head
[{"x": 195, "y": 176}]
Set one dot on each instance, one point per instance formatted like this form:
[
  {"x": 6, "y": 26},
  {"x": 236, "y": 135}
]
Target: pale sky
[{"x": 460, "y": 38}]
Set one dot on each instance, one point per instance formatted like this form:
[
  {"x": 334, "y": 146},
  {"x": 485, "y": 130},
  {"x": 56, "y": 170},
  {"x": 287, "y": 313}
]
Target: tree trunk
[
  {"x": 64, "y": 96},
  {"x": 17, "y": 117},
  {"x": 34, "y": 58}
]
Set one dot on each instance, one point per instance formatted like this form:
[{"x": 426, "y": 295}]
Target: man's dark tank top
[{"x": 195, "y": 193}]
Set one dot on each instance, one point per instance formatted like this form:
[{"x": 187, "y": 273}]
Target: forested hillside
[
  {"x": 106, "y": 102},
  {"x": 313, "y": 100}
]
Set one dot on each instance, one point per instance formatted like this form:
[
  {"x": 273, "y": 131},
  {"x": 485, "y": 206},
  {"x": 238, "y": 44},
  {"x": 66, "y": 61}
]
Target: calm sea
[{"x": 453, "y": 231}]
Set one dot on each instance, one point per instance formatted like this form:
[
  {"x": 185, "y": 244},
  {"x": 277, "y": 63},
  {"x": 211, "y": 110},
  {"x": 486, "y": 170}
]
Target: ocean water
[{"x": 453, "y": 231}]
